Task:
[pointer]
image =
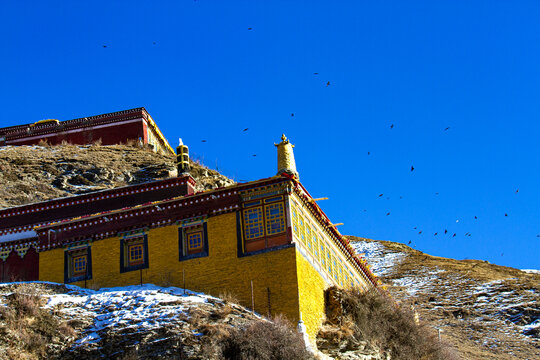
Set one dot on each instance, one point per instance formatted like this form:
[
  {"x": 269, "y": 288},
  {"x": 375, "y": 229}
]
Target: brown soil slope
[
  {"x": 31, "y": 174},
  {"x": 486, "y": 311}
]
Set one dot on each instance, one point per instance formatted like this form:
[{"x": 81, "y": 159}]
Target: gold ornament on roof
[{"x": 286, "y": 163}]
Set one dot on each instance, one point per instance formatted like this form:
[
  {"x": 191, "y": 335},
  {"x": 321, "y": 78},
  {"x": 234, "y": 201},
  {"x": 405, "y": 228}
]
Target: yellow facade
[
  {"x": 273, "y": 273},
  {"x": 311, "y": 286},
  {"x": 290, "y": 280}
]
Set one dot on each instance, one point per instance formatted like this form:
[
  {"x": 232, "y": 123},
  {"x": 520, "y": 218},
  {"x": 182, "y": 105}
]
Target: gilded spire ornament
[{"x": 286, "y": 163}]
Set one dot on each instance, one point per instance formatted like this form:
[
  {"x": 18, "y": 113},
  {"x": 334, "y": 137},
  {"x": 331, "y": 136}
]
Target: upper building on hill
[
  {"x": 113, "y": 128},
  {"x": 266, "y": 241}
]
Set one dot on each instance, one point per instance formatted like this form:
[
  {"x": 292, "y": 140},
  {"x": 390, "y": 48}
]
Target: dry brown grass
[
  {"x": 229, "y": 297},
  {"x": 374, "y": 317},
  {"x": 27, "y": 329},
  {"x": 31, "y": 174},
  {"x": 264, "y": 340}
]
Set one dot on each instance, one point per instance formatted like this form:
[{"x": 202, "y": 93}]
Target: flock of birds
[{"x": 468, "y": 234}]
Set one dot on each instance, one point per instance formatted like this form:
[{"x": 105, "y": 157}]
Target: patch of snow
[
  {"x": 139, "y": 307},
  {"x": 531, "y": 271},
  {"x": 531, "y": 326},
  {"x": 414, "y": 284},
  {"x": 381, "y": 261}
]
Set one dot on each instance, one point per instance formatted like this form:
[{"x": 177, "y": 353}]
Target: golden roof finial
[{"x": 286, "y": 163}]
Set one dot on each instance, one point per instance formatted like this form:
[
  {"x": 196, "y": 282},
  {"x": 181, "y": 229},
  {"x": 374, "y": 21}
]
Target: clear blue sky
[{"x": 472, "y": 66}]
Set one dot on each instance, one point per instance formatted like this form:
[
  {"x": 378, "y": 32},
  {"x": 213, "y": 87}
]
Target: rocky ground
[
  {"x": 134, "y": 322},
  {"x": 486, "y": 311},
  {"x": 35, "y": 173}
]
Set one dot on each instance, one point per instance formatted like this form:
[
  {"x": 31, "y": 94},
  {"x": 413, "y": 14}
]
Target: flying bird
[
  {"x": 505, "y": 214},
  {"x": 447, "y": 128},
  {"x": 412, "y": 168},
  {"x": 435, "y": 234},
  {"x": 292, "y": 114},
  {"x": 203, "y": 140},
  {"x": 409, "y": 243},
  {"x": 250, "y": 28},
  {"x": 415, "y": 227},
  {"x": 387, "y": 214},
  {"x": 328, "y": 83},
  {"x": 154, "y": 43},
  {"x": 454, "y": 235},
  {"x": 381, "y": 195},
  {"x": 315, "y": 73},
  {"x": 420, "y": 232},
  {"x": 254, "y": 154},
  {"x": 104, "y": 46},
  {"x": 368, "y": 153},
  {"x": 392, "y": 126},
  {"x": 475, "y": 217},
  {"x": 517, "y": 191},
  {"x": 246, "y": 129},
  {"x": 445, "y": 231}
]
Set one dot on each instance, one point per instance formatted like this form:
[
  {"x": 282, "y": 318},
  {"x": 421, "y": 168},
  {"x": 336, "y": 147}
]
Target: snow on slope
[
  {"x": 379, "y": 259},
  {"x": 485, "y": 310},
  {"x": 129, "y": 307}
]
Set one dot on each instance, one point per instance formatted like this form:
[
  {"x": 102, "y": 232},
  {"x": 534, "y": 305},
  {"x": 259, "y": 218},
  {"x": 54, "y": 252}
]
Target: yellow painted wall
[
  {"x": 51, "y": 265},
  {"x": 222, "y": 271},
  {"x": 311, "y": 288}
]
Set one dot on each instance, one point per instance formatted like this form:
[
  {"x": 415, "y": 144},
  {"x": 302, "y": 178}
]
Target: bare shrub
[
  {"x": 228, "y": 297},
  {"x": 25, "y": 300},
  {"x": 264, "y": 340},
  {"x": 43, "y": 143},
  {"x": 27, "y": 328},
  {"x": 374, "y": 317},
  {"x": 221, "y": 312},
  {"x": 97, "y": 143}
]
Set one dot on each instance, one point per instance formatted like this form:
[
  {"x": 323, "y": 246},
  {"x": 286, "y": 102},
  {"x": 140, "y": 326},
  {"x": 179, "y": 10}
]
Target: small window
[
  {"x": 77, "y": 265},
  {"x": 275, "y": 218},
  {"x": 193, "y": 241},
  {"x": 134, "y": 253},
  {"x": 253, "y": 223}
]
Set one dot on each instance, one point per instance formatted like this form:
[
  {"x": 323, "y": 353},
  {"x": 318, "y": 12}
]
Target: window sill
[
  {"x": 263, "y": 251},
  {"x": 194, "y": 256},
  {"x": 133, "y": 268}
]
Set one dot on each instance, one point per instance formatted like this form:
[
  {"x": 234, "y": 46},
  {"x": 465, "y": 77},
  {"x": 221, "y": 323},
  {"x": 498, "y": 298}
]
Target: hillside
[
  {"x": 57, "y": 321},
  {"x": 486, "y": 311},
  {"x": 31, "y": 174}
]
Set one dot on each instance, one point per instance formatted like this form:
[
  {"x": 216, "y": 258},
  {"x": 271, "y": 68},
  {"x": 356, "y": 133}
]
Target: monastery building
[{"x": 266, "y": 241}]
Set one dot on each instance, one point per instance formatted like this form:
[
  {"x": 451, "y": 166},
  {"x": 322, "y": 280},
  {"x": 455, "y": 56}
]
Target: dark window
[
  {"x": 134, "y": 253},
  {"x": 77, "y": 264},
  {"x": 192, "y": 241},
  {"x": 262, "y": 225}
]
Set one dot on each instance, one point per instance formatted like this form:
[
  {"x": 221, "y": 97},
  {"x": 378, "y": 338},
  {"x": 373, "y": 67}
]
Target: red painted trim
[{"x": 7, "y": 215}]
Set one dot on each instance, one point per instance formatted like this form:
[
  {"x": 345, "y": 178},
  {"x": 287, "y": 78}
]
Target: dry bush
[
  {"x": 196, "y": 317},
  {"x": 374, "y": 317},
  {"x": 221, "y": 313},
  {"x": 27, "y": 328},
  {"x": 228, "y": 297},
  {"x": 43, "y": 143},
  {"x": 263, "y": 340},
  {"x": 97, "y": 143}
]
